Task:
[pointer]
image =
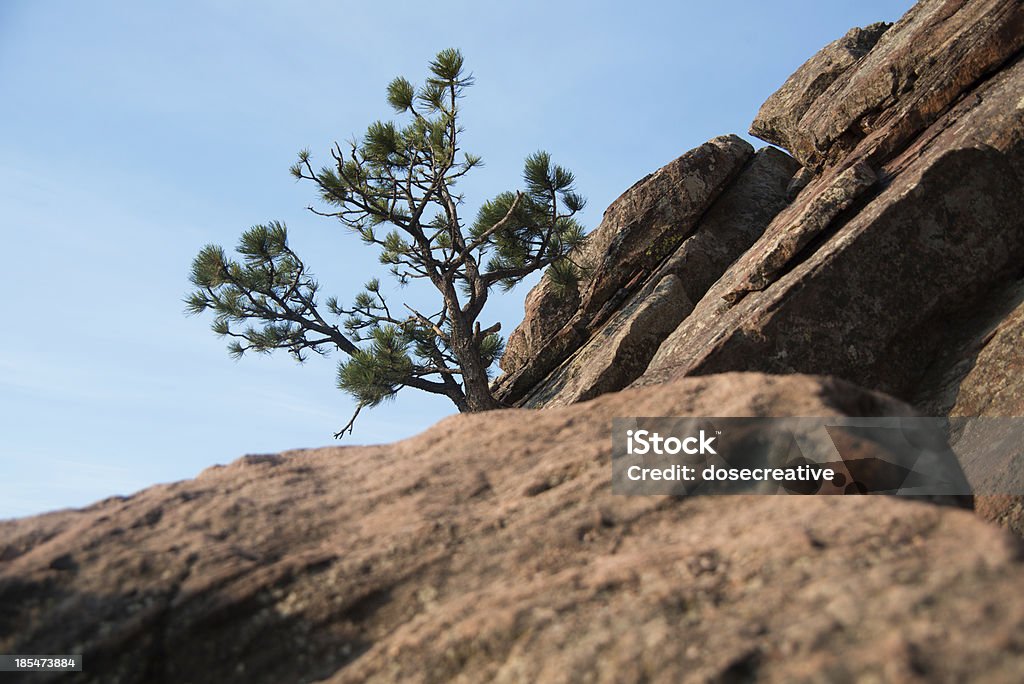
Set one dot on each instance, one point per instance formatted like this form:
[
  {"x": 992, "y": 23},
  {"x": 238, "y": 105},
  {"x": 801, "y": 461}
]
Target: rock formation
[
  {"x": 490, "y": 548},
  {"x": 638, "y": 231},
  {"x": 712, "y": 229},
  {"x": 884, "y": 258},
  {"x": 874, "y": 261}
]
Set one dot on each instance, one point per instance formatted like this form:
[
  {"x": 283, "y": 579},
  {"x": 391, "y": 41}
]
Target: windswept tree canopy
[{"x": 394, "y": 189}]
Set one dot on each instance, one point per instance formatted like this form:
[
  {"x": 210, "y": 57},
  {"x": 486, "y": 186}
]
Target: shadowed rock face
[
  {"x": 980, "y": 374},
  {"x": 490, "y": 548},
  {"x": 621, "y": 349},
  {"x": 993, "y": 386}
]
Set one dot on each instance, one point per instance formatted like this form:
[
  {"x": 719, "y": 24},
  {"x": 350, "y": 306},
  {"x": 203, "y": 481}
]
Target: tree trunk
[
  {"x": 475, "y": 383},
  {"x": 478, "y": 389}
]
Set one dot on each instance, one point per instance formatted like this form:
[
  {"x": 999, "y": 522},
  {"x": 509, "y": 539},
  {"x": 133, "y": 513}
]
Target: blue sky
[{"x": 131, "y": 134}]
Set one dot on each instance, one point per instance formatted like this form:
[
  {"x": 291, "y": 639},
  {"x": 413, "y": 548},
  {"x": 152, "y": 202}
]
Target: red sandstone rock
[{"x": 490, "y": 548}]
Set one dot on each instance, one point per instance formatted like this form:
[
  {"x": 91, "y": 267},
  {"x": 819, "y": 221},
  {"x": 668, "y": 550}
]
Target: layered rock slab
[
  {"x": 869, "y": 298},
  {"x": 811, "y": 221},
  {"x": 733, "y": 223},
  {"x": 639, "y": 229},
  {"x": 620, "y": 350},
  {"x": 778, "y": 120},
  {"x": 649, "y": 221},
  {"x": 886, "y": 87},
  {"x": 490, "y": 548},
  {"x": 730, "y": 225}
]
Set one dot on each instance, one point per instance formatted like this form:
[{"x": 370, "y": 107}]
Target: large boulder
[
  {"x": 879, "y": 100},
  {"x": 490, "y": 548}
]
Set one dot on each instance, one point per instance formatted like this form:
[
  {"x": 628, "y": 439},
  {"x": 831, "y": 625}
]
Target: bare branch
[{"x": 351, "y": 422}]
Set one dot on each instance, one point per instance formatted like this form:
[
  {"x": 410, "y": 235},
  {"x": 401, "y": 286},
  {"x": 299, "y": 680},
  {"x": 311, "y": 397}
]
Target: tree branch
[{"x": 351, "y": 422}]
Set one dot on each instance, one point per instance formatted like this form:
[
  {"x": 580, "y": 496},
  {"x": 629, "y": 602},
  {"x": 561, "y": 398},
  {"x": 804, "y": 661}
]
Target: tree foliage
[{"x": 394, "y": 189}]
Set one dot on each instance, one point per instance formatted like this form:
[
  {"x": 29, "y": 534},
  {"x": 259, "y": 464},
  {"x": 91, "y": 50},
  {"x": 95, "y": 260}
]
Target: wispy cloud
[{"x": 33, "y": 482}]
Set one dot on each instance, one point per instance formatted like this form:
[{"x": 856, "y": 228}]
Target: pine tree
[{"x": 394, "y": 191}]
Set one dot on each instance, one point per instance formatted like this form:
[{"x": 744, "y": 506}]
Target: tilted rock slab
[
  {"x": 869, "y": 298},
  {"x": 640, "y": 228},
  {"x": 490, "y": 548},
  {"x": 733, "y": 224},
  {"x": 909, "y": 78},
  {"x": 621, "y": 349},
  {"x": 728, "y": 227},
  {"x": 778, "y": 120},
  {"x": 649, "y": 220},
  {"x": 814, "y": 217}
]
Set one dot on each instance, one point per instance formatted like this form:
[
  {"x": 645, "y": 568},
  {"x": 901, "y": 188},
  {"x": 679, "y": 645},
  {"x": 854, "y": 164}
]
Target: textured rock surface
[
  {"x": 649, "y": 220},
  {"x": 547, "y": 309},
  {"x": 917, "y": 69},
  {"x": 778, "y": 120},
  {"x": 620, "y": 351},
  {"x": 813, "y": 217},
  {"x": 490, "y": 548},
  {"x": 981, "y": 373},
  {"x": 512, "y": 387},
  {"x": 640, "y": 228},
  {"x": 905, "y": 232},
  {"x": 913, "y": 287},
  {"x": 870, "y": 298},
  {"x": 732, "y": 223},
  {"x": 994, "y": 386}
]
